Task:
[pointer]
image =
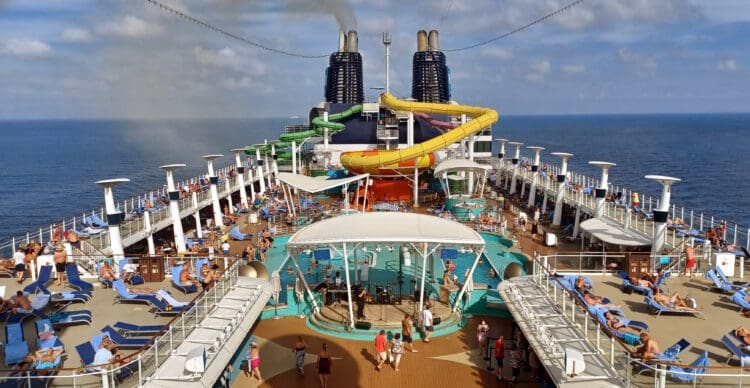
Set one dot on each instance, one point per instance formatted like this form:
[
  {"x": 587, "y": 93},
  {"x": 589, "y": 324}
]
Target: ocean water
[{"x": 50, "y": 166}]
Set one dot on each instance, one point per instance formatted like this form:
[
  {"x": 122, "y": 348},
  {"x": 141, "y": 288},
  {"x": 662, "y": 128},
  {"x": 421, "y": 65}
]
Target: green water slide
[{"x": 318, "y": 125}]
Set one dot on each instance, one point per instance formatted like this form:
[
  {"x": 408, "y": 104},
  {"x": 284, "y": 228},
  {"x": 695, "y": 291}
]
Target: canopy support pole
[{"x": 348, "y": 288}]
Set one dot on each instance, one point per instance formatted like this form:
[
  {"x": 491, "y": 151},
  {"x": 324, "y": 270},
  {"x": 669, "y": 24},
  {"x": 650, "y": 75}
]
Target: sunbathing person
[
  {"x": 642, "y": 282},
  {"x": 581, "y": 285},
  {"x": 46, "y": 359},
  {"x": 743, "y": 333},
  {"x": 20, "y": 303},
  {"x": 143, "y": 290},
  {"x": 649, "y": 350},
  {"x": 106, "y": 272},
  {"x": 186, "y": 276},
  {"x": 675, "y": 301},
  {"x": 615, "y": 324},
  {"x": 210, "y": 276},
  {"x": 593, "y": 300}
]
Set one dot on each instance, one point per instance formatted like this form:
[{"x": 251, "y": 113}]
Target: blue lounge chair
[
  {"x": 627, "y": 285},
  {"x": 718, "y": 284},
  {"x": 45, "y": 275},
  {"x": 235, "y": 234},
  {"x": 161, "y": 307},
  {"x": 136, "y": 278},
  {"x": 16, "y": 347},
  {"x": 129, "y": 329},
  {"x": 95, "y": 222},
  {"x": 659, "y": 309},
  {"x": 176, "y": 281},
  {"x": 124, "y": 342},
  {"x": 86, "y": 352},
  {"x": 42, "y": 326},
  {"x": 726, "y": 280},
  {"x": 69, "y": 318},
  {"x": 67, "y": 297},
  {"x": 75, "y": 280},
  {"x": 739, "y": 299},
  {"x": 198, "y": 265},
  {"x": 735, "y": 350},
  {"x": 688, "y": 374}
]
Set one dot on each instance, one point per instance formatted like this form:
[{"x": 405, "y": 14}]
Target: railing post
[
  {"x": 140, "y": 370},
  {"x": 612, "y": 350},
  {"x": 105, "y": 378}
]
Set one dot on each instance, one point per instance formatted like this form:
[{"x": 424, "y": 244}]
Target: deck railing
[
  {"x": 144, "y": 362},
  {"x": 617, "y": 352},
  {"x": 132, "y": 224},
  {"x": 735, "y": 233}
]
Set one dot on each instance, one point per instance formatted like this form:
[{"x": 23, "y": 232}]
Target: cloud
[
  {"x": 541, "y": 67},
  {"x": 574, "y": 69},
  {"x": 75, "y": 34},
  {"x": 642, "y": 63},
  {"x": 727, "y": 65},
  {"x": 25, "y": 47},
  {"x": 497, "y": 53},
  {"x": 129, "y": 27},
  {"x": 231, "y": 59}
]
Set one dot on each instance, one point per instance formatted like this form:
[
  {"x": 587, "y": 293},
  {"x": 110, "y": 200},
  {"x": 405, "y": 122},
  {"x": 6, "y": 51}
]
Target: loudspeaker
[
  {"x": 362, "y": 325},
  {"x": 436, "y": 321}
]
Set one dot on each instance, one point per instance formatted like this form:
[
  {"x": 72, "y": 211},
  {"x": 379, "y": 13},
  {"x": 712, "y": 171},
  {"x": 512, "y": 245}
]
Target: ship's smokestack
[
  {"x": 352, "y": 42},
  {"x": 433, "y": 40},
  {"x": 344, "y": 73},
  {"x": 430, "y": 75},
  {"x": 421, "y": 40},
  {"x": 342, "y": 41}
]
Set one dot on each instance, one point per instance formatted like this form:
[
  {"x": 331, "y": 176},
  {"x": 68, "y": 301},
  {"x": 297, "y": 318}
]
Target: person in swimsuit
[
  {"x": 61, "y": 260},
  {"x": 615, "y": 324},
  {"x": 254, "y": 361},
  {"x": 406, "y": 326},
  {"x": 46, "y": 359},
  {"x": 675, "y": 301},
  {"x": 649, "y": 349},
  {"x": 299, "y": 353},
  {"x": 106, "y": 272},
  {"x": 324, "y": 366}
]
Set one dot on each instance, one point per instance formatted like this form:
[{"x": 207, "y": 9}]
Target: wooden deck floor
[{"x": 449, "y": 361}]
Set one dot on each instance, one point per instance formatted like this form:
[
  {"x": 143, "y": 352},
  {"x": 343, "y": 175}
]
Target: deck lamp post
[
  {"x": 174, "y": 207},
  {"x": 535, "y": 175},
  {"x": 114, "y": 216},
  {"x": 601, "y": 191},
  {"x": 662, "y": 213},
  {"x": 214, "y": 180},
  {"x": 557, "y": 217},
  {"x": 240, "y": 175},
  {"x": 501, "y": 164},
  {"x": 514, "y": 162}
]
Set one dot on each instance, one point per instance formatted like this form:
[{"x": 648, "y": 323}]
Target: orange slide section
[{"x": 376, "y": 161}]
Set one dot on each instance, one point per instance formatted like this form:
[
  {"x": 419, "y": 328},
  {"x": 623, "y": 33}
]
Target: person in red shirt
[
  {"x": 380, "y": 344},
  {"x": 499, "y": 355}
]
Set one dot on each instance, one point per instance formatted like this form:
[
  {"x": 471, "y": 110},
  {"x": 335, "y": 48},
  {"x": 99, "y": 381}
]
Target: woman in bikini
[{"x": 615, "y": 324}]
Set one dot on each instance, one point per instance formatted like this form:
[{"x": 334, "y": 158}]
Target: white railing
[
  {"x": 132, "y": 224},
  {"x": 544, "y": 271},
  {"x": 734, "y": 233},
  {"x": 147, "y": 360}
]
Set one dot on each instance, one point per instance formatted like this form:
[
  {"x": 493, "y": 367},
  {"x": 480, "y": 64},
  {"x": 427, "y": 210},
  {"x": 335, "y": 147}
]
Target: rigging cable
[
  {"x": 519, "y": 29},
  {"x": 229, "y": 34}
]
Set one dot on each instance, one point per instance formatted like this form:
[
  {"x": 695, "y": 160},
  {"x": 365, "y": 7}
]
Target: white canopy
[
  {"x": 385, "y": 227},
  {"x": 613, "y": 233},
  {"x": 460, "y": 165},
  {"x": 314, "y": 185}
]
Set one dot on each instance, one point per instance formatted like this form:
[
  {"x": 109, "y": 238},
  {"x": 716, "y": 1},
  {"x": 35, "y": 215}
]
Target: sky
[{"x": 131, "y": 59}]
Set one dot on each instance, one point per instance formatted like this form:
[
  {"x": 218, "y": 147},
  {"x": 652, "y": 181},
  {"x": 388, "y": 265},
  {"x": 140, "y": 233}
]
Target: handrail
[
  {"x": 543, "y": 273},
  {"x": 209, "y": 297}
]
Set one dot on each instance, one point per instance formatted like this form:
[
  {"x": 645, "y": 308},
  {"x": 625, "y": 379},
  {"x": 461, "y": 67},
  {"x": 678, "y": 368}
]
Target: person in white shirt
[
  {"x": 427, "y": 320},
  {"x": 19, "y": 258},
  {"x": 103, "y": 356},
  {"x": 225, "y": 248}
]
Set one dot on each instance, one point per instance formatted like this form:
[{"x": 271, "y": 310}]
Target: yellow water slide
[{"x": 384, "y": 159}]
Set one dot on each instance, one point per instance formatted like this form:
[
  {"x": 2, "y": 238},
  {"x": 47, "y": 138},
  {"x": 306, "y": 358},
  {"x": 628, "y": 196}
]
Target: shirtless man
[
  {"x": 649, "y": 350},
  {"x": 406, "y": 326},
  {"x": 106, "y": 272},
  {"x": 21, "y": 304},
  {"x": 186, "y": 275},
  {"x": 73, "y": 239},
  {"x": 675, "y": 301},
  {"x": 593, "y": 300},
  {"x": 46, "y": 359},
  {"x": 61, "y": 260}
]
